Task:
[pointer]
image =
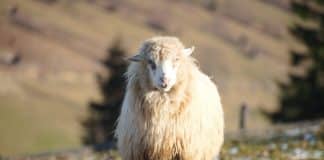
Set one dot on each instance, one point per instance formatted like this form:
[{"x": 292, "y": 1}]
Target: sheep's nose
[{"x": 164, "y": 80}]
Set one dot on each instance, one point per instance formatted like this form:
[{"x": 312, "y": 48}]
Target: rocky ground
[{"x": 305, "y": 141}]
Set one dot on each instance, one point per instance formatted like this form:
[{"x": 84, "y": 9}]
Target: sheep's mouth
[{"x": 164, "y": 89}]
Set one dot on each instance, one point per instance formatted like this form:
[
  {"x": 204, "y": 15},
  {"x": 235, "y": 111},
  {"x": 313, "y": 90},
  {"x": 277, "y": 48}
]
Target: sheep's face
[
  {"x": 162, "y": 66},
  {"x": 163, "y": 73}
]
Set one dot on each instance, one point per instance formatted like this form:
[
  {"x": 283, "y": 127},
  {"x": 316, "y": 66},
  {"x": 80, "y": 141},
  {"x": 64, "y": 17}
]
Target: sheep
[{"x": 171, "y": 110}]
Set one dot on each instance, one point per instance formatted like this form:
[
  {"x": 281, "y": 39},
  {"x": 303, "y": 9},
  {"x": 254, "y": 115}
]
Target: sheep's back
[{"x": 206, "y": 114}]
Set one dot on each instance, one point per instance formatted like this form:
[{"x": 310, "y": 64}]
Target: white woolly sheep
[{"x": 171, "y": 110}]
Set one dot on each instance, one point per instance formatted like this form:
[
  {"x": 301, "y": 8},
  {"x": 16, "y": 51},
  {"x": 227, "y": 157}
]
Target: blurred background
[{"x": 62, "y": 61}]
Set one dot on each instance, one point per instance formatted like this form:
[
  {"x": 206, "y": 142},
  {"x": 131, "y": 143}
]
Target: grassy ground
[
  {"x": 295, "y": 142},
  {"x": 41, "y": 116},
  {"x": 299, "y": 142},
  {"x": 278, "y": 149}
]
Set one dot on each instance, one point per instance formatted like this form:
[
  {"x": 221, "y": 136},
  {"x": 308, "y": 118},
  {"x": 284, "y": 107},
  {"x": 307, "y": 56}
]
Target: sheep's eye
[
  {"x": 152, "y": 64},
  {"x": 177, "y": 59}
]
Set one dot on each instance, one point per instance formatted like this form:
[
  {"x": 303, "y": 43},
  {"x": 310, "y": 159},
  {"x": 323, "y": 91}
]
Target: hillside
[{"x": 58, "y": 44}]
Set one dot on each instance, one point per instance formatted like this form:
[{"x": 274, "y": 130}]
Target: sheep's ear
[
  {"x": 188, "y": 51},
  {"x": 136, "y": 58}
]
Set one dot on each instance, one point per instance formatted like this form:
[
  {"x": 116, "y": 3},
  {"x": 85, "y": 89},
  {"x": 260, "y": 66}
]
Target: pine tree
[
  {"x": 100, "y": 124},
  {"x": 303, "y": 97}
]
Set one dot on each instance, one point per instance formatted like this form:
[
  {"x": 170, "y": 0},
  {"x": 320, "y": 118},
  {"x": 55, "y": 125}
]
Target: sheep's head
[{"x": 162, "y": 57}]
